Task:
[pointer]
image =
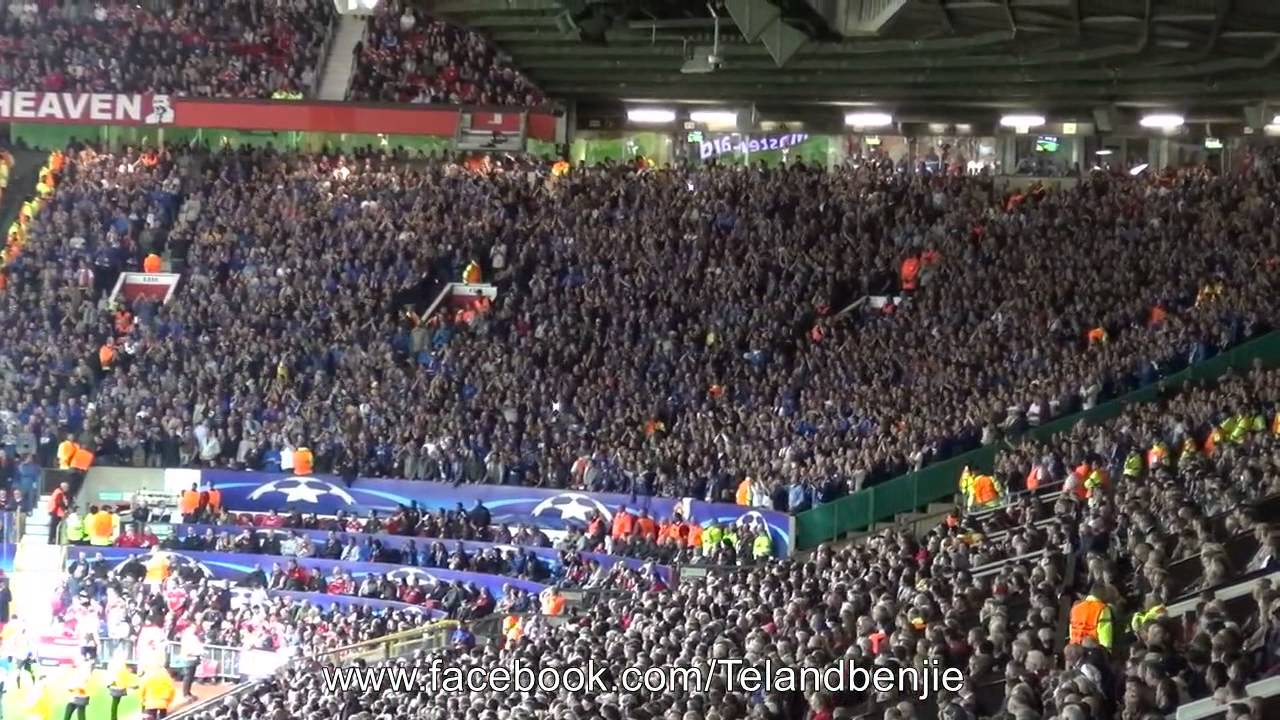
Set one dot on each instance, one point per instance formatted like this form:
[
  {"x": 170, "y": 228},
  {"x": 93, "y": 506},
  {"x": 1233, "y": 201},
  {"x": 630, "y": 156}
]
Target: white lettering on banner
[
  {"x": 83, "y": 107},
  {"x": 128, "y": 107},
  {"x": 75, "y": 103},
  {"x": 50, "y": 107},
  {"x": 728, "y": 144},
  {"x": 24, "y": 105},
  {"x": 100, "y": 107}
]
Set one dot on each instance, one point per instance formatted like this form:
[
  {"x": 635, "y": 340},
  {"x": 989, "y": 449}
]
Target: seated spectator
[
  {"x": 228, "y": 48},
  {"x": 407, "y": 56}
]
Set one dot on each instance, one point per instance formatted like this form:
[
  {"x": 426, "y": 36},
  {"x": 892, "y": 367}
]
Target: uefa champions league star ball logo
[
  {"x": 572, "y": 506},
  {"x": 302, "y": 489},
  {"x": 422, "y": 576},
  {"x": 753, "y": 520}
]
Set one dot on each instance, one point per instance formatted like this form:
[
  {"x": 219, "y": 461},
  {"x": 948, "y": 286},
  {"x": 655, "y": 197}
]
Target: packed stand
[
  {"x": 407, "y": 56},
  {"x": 895, "y": 602},
  {"x": 198, "y": 48},
  {"x": 146, "y": 600},
  {"x": 1155, "y": 503},
  {"x": 699, "y": 361},
  {"x": 103, "y": 527}
]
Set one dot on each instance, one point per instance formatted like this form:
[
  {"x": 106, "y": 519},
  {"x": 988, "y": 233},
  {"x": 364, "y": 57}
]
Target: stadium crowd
[
  {"x": 408, "y": 56},
  {"x": 897, "y": 602},
  {"x": 127, "y": 598},
  {"x": 229, "y": 48},
  {"x": 706, "y": 360}
]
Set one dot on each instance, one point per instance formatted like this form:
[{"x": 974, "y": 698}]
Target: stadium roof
[{"x": 1207, "y": 57}]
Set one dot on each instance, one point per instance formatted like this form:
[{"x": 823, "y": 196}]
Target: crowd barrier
[
  {"x": 236, "y": 567},
  {"x": 400, "y": 542},
  {"x": 508, "y": 504},
  {"x": 939, "y": 482}
]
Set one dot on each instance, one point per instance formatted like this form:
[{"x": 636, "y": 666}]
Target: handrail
[
  {"x": 364, "y": 646},
  {"x": 355, "y": 56},
  {"x": 1208, "y": 707},
  {"x": 322, "y": 59}
]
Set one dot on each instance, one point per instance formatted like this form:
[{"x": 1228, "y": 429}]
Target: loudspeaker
[
  {"x": 1103, "y": 119},
  {"x": 1255, "y": 116}
]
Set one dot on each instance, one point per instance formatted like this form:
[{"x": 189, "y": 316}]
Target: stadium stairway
[
  {"x": 37, "y": 571},
  {"x": 336, "y": 76}
]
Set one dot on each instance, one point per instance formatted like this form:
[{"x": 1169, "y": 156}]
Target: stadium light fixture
[
  {"x": 1022, "y": 121},
  {"x": 714, "y": 117},
  {"x": 868, "y": 119},
  {"x": 651, "y": 116},
  {"x": 1162, "y": 121},
  {"x": 1104, "y": 151}
]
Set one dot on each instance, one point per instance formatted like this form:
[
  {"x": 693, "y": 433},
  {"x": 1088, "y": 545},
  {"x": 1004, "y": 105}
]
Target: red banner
[{"x": 276, "y": 115}]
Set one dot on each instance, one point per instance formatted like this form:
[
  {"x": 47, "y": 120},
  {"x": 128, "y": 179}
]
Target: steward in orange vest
[
  {"x": 302, "y": 461},
  {"x": 552, "y": 602},
  {"x": 1091, "y": 618},
  {"x": 623, "y": 524}
]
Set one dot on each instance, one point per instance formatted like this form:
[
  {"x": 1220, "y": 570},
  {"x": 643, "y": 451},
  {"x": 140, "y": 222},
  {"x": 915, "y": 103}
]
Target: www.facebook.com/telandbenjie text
[{"x": 735, "y": 675}]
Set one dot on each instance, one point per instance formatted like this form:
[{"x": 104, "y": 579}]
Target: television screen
[{"x": 1046, "y": 144}]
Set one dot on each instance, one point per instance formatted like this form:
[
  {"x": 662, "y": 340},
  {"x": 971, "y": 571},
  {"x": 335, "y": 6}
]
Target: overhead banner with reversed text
[
  {"x": 326, "y": 495},
  {"x": 39, "y": 107}
]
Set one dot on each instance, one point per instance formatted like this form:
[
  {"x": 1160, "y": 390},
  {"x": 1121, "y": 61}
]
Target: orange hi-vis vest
[
  {"x": 1082, "y": 473},
  {"x": 1084, "y": 619},
  {"x": 743, "y": 496},
  {"x": 189, "y": 502},
  {"x": 1033, "y": 478},
  {"x": 553, "y": 605},
  {"x": 302, "y": 461},
  {"x": 647, "y": 528},
  {"x": 909, "y": 273},
  {"x": 622, "y": 525},
  {"x": 1156, "y": 455},
  {"x": 66, "y": 450},
  {"x": 984, "y": 490},
  {"x": 82, "y": 460},
  {"x": 157, "y": 569},
  {"x": 101, "y": 528},
  {"x": 512, "y": 628},
  {"x": 694, "y": 538},
  {"x": 151, "y": 264}
]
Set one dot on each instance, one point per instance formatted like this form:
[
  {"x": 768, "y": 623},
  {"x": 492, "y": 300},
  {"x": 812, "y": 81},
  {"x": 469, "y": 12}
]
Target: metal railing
[
  {"x": 219, "y": 662},
  {"x": 430, "y": 637}
]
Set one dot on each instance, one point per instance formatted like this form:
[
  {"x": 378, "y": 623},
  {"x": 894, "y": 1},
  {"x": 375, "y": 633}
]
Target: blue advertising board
[
  {"x": 552, "y": 509},
  {"x": 399, "y": 542},
  {"x": 234, "y": 567}
]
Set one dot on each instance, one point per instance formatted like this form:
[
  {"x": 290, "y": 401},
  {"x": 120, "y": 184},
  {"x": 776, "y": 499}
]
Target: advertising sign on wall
[
  {"x": 718, "y": 145},
  {"x": 39, "y": 107},
  {"x": 95, "y": 108}
]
